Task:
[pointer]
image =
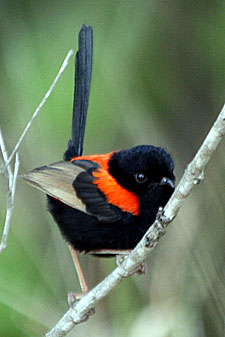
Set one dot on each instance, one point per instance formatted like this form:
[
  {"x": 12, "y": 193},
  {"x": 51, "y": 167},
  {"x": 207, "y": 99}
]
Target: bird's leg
[{"x": 72, "y": 297}]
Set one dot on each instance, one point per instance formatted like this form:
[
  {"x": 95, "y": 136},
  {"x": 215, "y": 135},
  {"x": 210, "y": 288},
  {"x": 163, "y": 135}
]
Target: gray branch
[
  {"x": 11, "y": 178},
  {"x": 36, "y": 112},
  {"x": 193, "y": 175}
]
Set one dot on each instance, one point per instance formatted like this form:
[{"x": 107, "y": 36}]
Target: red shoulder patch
[{"x": 115, "y": 194}]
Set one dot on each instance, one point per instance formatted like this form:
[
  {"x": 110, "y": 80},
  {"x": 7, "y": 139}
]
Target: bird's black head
[{"x": 142, "y": 168}]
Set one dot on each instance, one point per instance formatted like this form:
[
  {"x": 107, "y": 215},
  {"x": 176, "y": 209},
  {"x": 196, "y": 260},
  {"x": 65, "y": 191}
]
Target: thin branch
[
  {"x": 192, "y": 176},
  {"x": 10, "y": 204},
  {"x": 6, "y": 168},
  {"x": 36, "y": 112},
  {"x": 11, "y": 178}
]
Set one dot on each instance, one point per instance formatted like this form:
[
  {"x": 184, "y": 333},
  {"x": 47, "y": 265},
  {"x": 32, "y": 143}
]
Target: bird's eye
[{"x": 141, "y": 177}]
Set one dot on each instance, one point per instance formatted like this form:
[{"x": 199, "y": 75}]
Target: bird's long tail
[{"x": 83, "y": 70}]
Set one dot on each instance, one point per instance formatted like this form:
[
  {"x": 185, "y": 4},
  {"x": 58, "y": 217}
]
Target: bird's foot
[
  {"x": 74, "y": 297},
  {"x": 140, "y": 270}
]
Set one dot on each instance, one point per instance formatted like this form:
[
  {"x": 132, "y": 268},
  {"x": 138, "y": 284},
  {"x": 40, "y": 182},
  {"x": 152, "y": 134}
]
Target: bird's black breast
[{"x": 85, "y": 233}]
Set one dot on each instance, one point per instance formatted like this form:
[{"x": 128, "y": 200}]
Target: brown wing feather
[{"x": 57, "y": 180}]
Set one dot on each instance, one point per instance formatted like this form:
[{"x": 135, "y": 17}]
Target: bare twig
[
  {"x": 11, "y": 177},
  {"x": 192, "y": 176},
  {"x": 7, "y": 169},
  {"x": 10, "y": 203},
  {"x": 36, "y": 112}
]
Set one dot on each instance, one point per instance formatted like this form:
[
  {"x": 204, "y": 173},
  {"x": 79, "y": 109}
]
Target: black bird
[{"x": 103, "y": 204}]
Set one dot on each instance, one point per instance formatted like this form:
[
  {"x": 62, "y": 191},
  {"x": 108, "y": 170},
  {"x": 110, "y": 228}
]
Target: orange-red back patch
[{"x": 101, "y": 159}]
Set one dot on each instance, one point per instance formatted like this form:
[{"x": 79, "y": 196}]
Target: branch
[
  {"x": 193, "y": 174},
  {"x": 36, "y": 112},
  {"x": 6, "y": 169},
  {"x": 11, "y": 178}
]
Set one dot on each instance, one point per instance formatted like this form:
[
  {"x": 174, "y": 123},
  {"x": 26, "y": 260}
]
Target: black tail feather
[{"x": 83, "y": 69}]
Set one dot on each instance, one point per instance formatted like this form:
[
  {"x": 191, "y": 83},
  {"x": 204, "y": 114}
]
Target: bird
[{"x": 103, "y": 204}]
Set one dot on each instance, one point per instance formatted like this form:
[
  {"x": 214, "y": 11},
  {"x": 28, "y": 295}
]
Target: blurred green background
[{"x": 158, "y": 78}]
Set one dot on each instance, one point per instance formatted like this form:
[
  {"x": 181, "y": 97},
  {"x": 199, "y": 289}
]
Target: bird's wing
[{"x": 72, "y": 183}]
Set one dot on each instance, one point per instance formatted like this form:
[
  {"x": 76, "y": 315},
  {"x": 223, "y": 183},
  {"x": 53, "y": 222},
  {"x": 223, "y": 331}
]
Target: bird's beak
[{"x": 167, "y": 182}]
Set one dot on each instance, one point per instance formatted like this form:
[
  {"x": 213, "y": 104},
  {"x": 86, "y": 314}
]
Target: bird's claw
[
  {"x": 140, "y": 270},
  {"x": 74, "y": 297},
  {"x": 86, "y": 316}
]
